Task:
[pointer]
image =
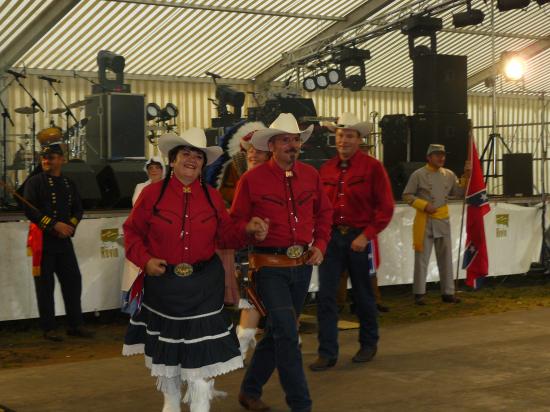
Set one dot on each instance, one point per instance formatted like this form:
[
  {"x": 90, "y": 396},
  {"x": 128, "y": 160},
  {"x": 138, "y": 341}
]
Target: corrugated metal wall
[{"x": 195, "y": 109}]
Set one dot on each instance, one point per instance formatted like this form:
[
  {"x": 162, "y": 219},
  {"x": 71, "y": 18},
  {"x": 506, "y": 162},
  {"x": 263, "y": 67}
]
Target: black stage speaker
[
  {"x": 517, "y": 174},
  {"x": 450, "y": 130},
  {"x": 439, "y": 84},
  {"x": 300, "y": 107},
  {"x": 117, "y": 181},
  {"x": 399, "y": 176},
  {"x": 395, "y": 139},
  {"x": 85, "y": 180},
  {"x": 116, "y": 126}
]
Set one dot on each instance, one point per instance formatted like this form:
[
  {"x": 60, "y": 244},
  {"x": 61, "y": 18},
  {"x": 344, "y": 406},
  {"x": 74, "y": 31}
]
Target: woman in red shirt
[{"x": 171, "y": 234}]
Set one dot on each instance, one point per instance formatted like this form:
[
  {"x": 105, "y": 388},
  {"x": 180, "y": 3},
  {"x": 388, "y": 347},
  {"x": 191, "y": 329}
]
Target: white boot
[
  {"x": 172, "y": 402},
  {"x": 198, "y": 396},
  {"x": 171, "y": 389},
  {"x": 247, "y": 339}
]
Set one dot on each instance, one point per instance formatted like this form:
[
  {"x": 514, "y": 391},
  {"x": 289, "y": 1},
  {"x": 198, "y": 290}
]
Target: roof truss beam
[
  {"x": 37, "y": 28},
  {"x": 355, "y": 17},
  {"x": 262, "y": 12}
]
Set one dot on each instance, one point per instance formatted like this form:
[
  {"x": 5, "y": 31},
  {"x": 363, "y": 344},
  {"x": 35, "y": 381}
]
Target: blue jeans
[
  {"x": 283, "y": 292},
  {"x": 338, "y": 258}
]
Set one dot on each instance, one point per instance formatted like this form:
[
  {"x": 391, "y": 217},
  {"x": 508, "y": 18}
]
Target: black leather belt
[
  {"x": 186, "y": 269},
  {"x": 344, "y": 230},
  {"x": 272, "y": 250}
]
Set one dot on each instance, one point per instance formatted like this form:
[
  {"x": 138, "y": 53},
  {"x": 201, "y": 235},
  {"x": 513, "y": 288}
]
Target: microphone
[
  {"x": 49, "y": 79},
  {"x": 15, "y": 74}
]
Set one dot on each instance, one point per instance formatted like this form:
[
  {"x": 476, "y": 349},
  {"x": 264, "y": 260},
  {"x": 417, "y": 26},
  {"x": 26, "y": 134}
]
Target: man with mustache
[
  {"x": 360, "y": 192},
  {"x": 288, "y": 194}
]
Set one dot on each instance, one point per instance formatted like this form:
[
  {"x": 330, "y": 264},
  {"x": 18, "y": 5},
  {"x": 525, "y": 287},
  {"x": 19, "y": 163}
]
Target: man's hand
[
  {"x": 63, "y": 230},
  {"x": 258, "y": 228},
  {"x": 430, "y": 209},
  {"x": 315, "y": 256},
  {"x": 155, "y": 267},
  {"x": 360, "y": 243}
]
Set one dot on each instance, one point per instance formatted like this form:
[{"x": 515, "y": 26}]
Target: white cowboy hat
[
  {"x": 155, "y": 159},
  {"x": 193, "y": 137},
  {"x": 283, "y": 124},
  {"x": 350, "y": 121}
]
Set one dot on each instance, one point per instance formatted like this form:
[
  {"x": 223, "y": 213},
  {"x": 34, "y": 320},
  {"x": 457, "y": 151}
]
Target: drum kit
[{"x": 72, "y": 137}]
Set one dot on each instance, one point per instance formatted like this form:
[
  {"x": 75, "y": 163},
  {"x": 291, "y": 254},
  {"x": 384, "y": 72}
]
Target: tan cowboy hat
[
  {"x": 283, "y": 124},
  {"x": 350, "y": 121},
  {"x": 193, "y": 137},
  {"x": 435, "y": 148}
]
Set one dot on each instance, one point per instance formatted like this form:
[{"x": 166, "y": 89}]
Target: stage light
[
  {"x": 228, "y": 96},
  {"x": 152, "y": 111},
  {"x": 111, "y": 61},
  {"x": 421, "y": 26},
  {"x": 470, "y": 17},
  {"x": 505, "y": 5},
  {"x": 333, "y": 76},
  {"x": 309, "y": 84},
  {"x": 170, "y": 111},
  {"x": 513, "y": 67},
  {"x": 350, "y": 59},
  {"x": 321, "y": 80},
  {"x": 107, "y": 60}
]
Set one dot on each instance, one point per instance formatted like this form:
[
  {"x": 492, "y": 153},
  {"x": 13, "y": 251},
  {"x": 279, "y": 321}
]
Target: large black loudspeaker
[
  {"x": 399, "y": 176},
  {"x": 450, "y": 130},
  {"x": 85, "y": 180},
  {"x": 395, "y": 139},
  {"x": 117, "y": 181},
  {"x": 116, "y": 126},
  {"x": 439, "y": 84},
  {"x": 517, "y": 174}
]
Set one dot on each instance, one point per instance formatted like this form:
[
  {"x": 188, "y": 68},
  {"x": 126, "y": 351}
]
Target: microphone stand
[
  {"x": 68, "y": 112},
  {"x": 76, "y": 75},
  {"x": 34, "y": 105},
  {"x": 5, "y": 118}
]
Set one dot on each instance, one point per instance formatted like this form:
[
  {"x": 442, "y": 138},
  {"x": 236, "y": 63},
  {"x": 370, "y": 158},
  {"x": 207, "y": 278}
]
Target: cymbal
[
  {"x": 57, "y": 110},
  {"x": 79, "y": 103},
  {"x": 26, "y": 110}
]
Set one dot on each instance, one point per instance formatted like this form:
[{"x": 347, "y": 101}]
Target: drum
[{"x": 50, "y": 135}]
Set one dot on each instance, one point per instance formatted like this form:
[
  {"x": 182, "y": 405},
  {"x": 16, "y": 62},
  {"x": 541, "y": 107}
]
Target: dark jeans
[
  {"x": 283, "y": 292},
  {"x": 338, "y": 258},
  {"x": 65, "y": 267}
]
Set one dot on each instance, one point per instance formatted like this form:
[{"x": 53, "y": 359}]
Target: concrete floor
[{"x": 486, "y": 363}]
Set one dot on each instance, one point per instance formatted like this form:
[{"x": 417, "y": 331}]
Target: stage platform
[{"x": 478, "y": 364}]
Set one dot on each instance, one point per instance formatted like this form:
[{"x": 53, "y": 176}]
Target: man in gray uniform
[{"x": 428, "y": 191}]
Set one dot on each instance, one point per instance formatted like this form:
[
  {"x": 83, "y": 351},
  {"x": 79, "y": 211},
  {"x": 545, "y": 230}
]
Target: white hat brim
[
  {"x": 363, "y": 128},
  {"x": 260, "y": 138},
  {"x": 169, "y": 141}
]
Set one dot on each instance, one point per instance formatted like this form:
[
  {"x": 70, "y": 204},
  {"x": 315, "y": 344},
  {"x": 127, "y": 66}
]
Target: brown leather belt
[{"x": 256, "y": 261}]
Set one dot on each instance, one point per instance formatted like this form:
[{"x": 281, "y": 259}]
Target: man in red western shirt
[
  {"x": 288, "y": 194},
  {"x": 360, "y": 192}
]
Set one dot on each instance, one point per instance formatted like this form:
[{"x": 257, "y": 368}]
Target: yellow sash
[{"x": 419, "y": 225}]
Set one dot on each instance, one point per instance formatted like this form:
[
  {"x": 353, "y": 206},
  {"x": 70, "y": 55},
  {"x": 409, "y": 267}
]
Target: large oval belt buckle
[
  {"x": 295, "y": 251},
  {"x": 183, "y": 269}
]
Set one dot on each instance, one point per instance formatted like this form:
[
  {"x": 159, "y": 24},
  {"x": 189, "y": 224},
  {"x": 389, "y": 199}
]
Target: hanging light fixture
[{"x": 513, "y": 66}]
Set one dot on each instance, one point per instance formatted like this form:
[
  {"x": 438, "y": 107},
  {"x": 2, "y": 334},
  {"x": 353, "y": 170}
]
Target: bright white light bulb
[{"x": 514, "y": 68}]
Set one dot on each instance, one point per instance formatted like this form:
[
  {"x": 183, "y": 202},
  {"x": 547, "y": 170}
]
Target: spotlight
[
  {"x": 321, "y": 80},
  {"x": 228, "y": 96},
  {"x": 333, "y": 76},
  {"x": 152, "y": 111},
  {"x": 513, "y": 66},
  {"x": 352, "y": 58},
  {"x": 422, "y": 26},
  {"x": 470, "y": 17},
  {"x": 309, "y": 84},
  {"x": 170, "y": 111},
  {"x": 505, "y": 5},
  {"x": 107, "y": 60}
]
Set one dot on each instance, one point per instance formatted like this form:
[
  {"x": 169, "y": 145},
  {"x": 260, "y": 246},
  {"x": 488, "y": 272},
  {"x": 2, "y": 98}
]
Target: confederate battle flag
[{"x": 475, "y": 260}]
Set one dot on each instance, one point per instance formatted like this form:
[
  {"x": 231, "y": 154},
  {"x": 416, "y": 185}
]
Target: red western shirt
[
  {"x": 298, "y": 209},
  {"x": 360, "y": 193},
  {"x": 185, "y": 229}
]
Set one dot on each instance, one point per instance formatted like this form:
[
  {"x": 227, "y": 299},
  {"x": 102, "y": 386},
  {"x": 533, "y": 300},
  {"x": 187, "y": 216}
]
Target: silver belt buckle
[
  {"x": 295, "y": 251},
  {"x": 183, "y": 270}
]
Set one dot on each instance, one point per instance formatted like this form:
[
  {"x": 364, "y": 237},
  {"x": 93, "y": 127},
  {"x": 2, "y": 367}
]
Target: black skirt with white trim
[{"x": 182, "y": 328}]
